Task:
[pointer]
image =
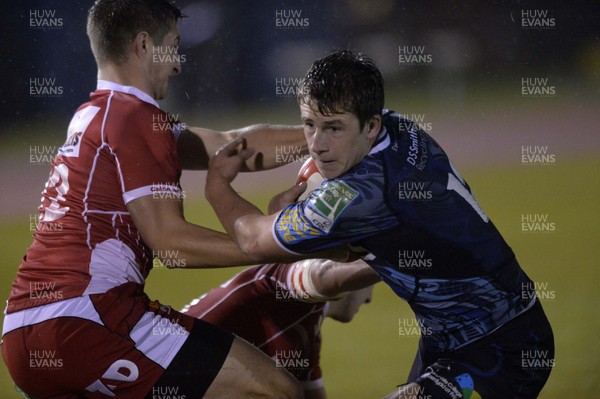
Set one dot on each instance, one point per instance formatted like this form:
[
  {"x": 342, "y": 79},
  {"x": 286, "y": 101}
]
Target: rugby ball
[{"x": 310, "y": 174}]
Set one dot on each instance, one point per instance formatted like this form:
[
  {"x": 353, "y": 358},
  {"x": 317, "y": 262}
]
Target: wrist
[{"x": 215, "y": 186}]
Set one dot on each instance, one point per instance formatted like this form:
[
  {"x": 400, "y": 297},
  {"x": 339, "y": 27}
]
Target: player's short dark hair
[
  {"x": 113, "y": 24},
  {"x": 344, "y": 82}
]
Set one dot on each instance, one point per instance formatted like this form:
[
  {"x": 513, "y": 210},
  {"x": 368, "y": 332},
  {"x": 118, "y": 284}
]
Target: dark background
[{"x": 234, "y": 50}]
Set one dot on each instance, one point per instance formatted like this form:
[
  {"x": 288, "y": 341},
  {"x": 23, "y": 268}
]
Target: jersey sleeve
[
  {"x": 145, "y": 151},
  {"x": 337, "y": 212}
]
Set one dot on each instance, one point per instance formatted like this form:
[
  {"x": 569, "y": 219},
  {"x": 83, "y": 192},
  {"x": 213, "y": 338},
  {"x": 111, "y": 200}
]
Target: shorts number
[{"x": 115, "y": 373}]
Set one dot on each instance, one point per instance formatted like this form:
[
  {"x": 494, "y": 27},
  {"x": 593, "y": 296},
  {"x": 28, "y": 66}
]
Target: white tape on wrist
[{"x": 302, "y": 285}]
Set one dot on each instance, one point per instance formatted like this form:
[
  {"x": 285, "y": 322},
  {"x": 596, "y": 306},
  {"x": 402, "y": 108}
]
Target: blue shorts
[{"x": 514, "y": 361}]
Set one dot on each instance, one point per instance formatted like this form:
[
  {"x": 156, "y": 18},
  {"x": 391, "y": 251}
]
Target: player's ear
[
  {"x": 373, "y": 126},
  {"x": 142, "y": 45}
]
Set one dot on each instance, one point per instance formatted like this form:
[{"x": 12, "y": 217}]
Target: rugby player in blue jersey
[{"x": 391, "y": 190}]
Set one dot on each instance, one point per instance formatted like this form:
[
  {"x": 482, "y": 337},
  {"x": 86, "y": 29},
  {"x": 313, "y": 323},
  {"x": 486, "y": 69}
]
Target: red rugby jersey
[
  {"x": 257, "y": 305},
  {"x": 120, "y": 146}
]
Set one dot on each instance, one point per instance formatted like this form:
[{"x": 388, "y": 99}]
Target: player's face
[
  {"x": 336, "y": 142},
  {"x": 165, "y": 63},
  {"x": 346, "y": 308}
]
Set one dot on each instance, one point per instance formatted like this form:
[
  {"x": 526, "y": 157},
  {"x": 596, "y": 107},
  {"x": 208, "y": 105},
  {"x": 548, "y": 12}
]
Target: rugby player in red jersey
[
  {"x": 279, "y": 308},
  {"x": 78, "y": 323}
]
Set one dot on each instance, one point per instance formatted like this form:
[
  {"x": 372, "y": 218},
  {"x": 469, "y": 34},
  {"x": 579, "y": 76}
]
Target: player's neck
[{"x": 122, "y": 75}]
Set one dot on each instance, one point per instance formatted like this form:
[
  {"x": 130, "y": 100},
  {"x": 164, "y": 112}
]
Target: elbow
[
  {"x": 248, "y": 238},
  {"x": 251, "y": 248}
]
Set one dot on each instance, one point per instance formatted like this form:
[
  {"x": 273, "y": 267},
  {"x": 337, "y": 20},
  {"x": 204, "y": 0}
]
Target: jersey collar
[
  {"x": 108, "y": 85},
  {"x": 383, "y": 140}
]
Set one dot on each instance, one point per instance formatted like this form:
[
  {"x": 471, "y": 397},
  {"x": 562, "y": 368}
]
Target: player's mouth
[
  {"x": 326, "y": 163},
  {"x": 327, "y": 168}
]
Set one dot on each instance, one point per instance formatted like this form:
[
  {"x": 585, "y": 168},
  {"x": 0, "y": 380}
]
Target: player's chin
[{"x": 329, "y": 170}]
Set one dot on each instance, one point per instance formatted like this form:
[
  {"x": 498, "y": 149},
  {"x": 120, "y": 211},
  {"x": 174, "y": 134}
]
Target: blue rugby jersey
[{"x": 425, "y": 235}]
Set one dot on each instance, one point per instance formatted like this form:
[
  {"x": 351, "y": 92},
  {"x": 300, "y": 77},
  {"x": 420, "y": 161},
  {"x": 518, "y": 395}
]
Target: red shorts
[{"x": 114, "y": 345}]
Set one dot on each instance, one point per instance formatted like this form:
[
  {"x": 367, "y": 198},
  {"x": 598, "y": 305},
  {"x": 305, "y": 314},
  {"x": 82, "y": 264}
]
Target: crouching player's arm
[{"x": 319, "y": 280}]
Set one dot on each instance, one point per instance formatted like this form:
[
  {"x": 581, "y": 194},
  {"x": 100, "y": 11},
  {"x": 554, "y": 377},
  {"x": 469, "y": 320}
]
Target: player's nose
[{"x": 318, "y": 144}]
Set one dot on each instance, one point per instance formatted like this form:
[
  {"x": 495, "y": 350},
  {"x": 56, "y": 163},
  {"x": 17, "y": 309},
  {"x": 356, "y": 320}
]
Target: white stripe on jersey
[
  {"x": 158, "y": 338},
  {"x": 81, "y": 307},
  {"x": 94, "y": 163},
  {"x": 292, "y": 325},
  {"x": 112, "y": 264}
]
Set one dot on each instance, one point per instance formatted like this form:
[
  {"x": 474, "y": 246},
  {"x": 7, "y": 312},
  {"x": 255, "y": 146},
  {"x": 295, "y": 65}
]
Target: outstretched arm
[
  {"x": 178, "y": 243},
  {"x": 197, "y": 145},
  {"x": 324, "y": 279}
]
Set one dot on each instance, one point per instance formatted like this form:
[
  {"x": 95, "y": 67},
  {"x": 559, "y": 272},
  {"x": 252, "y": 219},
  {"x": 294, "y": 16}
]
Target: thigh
[
  {"x": 249, "y": 373},
  {"x": 197, "y": 363}
]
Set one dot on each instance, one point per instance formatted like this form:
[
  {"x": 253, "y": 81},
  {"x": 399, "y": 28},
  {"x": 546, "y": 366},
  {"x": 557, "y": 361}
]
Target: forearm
[
  {"x": 228, "y": 205},
  {"x": 275, "y": 145},
  {"x": 318, "y": 280},
  {"x": 334, "y": 278},
  {"x": 177, "y": 243},
  {"x": 191, "y": 246}
]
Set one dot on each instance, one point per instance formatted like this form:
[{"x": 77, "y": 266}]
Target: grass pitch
[{"x": 368, "y": 357}]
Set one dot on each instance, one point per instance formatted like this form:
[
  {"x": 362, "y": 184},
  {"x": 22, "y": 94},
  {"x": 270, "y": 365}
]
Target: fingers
[
  {"x": 231, "y": 148},
  {"x": 236, "y": 147},
  {"x": 296, "y": 191},
  {"x": 286, "y": 198}
]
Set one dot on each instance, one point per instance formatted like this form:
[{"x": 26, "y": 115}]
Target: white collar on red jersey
[{"x": 108, "y": 85}]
